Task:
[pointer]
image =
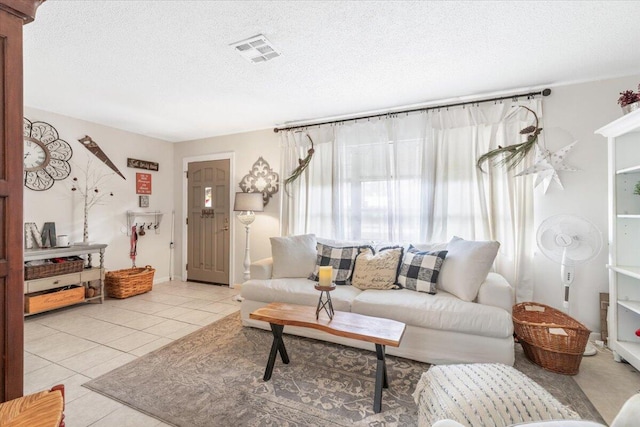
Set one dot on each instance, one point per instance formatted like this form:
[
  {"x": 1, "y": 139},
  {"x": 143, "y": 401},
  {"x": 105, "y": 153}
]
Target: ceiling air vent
[{"x": 256, "y": 49}]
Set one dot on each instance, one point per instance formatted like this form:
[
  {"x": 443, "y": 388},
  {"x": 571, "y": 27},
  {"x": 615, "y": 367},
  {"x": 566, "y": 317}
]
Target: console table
[{"x": 88, "y": 274}]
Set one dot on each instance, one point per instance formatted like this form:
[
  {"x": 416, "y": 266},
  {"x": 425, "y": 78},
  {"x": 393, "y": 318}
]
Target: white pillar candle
[{"x": 324, "y": 276}]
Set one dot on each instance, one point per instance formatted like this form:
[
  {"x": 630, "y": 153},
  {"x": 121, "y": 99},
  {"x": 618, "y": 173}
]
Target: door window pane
[{"x": 207, "y": 197}]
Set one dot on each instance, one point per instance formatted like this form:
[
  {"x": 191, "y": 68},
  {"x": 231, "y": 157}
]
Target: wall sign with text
[
  {"x": 143, "y": 183},
  {"x": 143, "y": 164}
]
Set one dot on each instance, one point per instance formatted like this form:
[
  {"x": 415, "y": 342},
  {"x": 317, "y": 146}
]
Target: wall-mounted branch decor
[
  {"x": 302, "y": 165},
  {"x": 546, "y": 164},
  {"x": 261, "y": 179},
  {"x": 513, "y": 154},
  {"x": 89, "y": 187}
]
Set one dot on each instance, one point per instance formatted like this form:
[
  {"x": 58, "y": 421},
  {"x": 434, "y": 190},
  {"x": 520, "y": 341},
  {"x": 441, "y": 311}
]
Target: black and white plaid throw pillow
[
  {"x": 419, "y": 270},
  {"x": 341, "y": 259}
]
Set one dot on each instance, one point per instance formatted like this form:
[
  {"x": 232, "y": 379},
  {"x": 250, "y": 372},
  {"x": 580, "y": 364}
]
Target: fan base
[{"x": 590, "y": 350}]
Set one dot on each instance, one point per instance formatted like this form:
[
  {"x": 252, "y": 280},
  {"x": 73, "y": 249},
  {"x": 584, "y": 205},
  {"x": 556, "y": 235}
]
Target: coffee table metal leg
[
  {"x": 381, "y": 378},
  {"x": 277, "y": 346}
]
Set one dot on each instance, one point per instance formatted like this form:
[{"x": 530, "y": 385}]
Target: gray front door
[{"x": 208, "y": 222}]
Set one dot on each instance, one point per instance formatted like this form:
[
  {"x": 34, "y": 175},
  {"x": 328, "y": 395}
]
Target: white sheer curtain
[{"x": 413, "y": 178}]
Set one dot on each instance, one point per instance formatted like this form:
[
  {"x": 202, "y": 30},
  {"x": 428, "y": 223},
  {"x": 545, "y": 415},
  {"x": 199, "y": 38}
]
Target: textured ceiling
[{"x": 165, "y": 68}]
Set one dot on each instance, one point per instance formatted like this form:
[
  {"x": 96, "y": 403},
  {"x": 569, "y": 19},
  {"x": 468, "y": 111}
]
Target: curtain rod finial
[
  {"x": 546, "y": 92},
  {"x": 276, "y": 130}
]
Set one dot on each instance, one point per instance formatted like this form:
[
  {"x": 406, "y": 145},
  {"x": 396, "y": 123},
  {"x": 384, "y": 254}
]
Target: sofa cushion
[
  {"x": 341, "y": 259},
  {"x": 419, "y": 270},
  {"x": 293, "y": 256},
  {"x": 377, "y": 271},
  {"x": 431, "y": 247},
  {"x": 338, "y": 243},
  {"x": 466, "y": 267},
  {"x": 441, "y": 311},
  {"x": 296, "y": 291}
]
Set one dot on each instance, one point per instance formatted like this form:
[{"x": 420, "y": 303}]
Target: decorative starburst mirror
[{"x": 46, "y": 156}]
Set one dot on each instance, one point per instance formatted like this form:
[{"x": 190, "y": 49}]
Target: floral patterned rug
[{"x": 213, "y": 377}]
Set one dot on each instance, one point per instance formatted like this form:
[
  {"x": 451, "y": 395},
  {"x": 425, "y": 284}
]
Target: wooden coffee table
[{"x": 381, "y": 332}]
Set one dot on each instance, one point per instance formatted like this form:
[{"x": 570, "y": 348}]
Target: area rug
[{"x": 213, "y": 377}]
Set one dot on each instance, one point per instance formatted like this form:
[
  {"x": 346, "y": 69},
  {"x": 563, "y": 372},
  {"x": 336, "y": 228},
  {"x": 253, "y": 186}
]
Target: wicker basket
[
  {"x": 129, "y": 282},
  {"x": 66, "y": 265},
  {"x": 556, "y": 353}
]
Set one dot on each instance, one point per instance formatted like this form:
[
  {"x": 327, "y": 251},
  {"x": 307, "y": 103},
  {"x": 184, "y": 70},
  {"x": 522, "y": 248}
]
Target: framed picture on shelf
[{"x": 143, "y": 201}]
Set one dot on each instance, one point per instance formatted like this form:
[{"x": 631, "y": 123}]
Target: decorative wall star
[{"x": 547, "y": 164}]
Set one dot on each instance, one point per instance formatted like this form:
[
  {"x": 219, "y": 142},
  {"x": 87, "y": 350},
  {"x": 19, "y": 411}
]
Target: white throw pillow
[
  {"x": 293, "y": 256},
  {"x": 467, "y": 265}
]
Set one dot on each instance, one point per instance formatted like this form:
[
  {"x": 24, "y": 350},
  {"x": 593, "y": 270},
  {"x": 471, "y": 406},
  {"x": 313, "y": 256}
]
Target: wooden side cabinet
[{"x": 70, "y": 288}]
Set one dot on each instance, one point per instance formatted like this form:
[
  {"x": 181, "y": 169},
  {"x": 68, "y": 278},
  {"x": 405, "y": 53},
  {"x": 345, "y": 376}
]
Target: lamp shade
[{"x": 248, "y": 202}]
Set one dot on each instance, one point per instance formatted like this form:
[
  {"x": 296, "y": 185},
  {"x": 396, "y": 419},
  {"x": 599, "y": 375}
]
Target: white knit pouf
[{"x": 484, "y": 394}]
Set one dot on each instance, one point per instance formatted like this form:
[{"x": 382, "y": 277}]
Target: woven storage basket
[
  {"x": 556, "y": 353},
  {"x": 129, "y": 282},
  {"x": 69, "y": 265}
]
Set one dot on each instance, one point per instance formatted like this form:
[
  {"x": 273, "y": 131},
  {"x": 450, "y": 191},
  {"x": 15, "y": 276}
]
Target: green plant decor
[
  {"x": 513, "y": 154},
  {"x": 636, "y": 189},
  {"x": 302, "y": 165}
]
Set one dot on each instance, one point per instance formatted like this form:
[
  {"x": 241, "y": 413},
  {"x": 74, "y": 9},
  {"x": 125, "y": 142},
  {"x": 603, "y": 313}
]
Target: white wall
[
  {"x": 107, "y": 222},
  {"x": 573, "y": 113},
  {"x": 246, "y": 148}
]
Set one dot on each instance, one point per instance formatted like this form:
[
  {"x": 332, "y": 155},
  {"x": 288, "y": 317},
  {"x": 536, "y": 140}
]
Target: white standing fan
[{"x": 569, "y": 240}]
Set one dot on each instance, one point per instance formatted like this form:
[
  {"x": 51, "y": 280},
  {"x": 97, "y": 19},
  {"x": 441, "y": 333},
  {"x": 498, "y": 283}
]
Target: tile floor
[
  {"x": 78, "y": 343},
  {"x": 607, "y": 383},
  {"x": 75, "y": 344}
]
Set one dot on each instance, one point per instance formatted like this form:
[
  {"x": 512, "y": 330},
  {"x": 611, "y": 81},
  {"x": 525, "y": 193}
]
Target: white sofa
[{"x": 441, "y": 328}]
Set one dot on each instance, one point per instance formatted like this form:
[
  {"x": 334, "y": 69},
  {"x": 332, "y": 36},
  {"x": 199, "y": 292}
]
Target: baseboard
[
  {"x": 157, "y": 280},
  {"x": 593, "y": 336}
]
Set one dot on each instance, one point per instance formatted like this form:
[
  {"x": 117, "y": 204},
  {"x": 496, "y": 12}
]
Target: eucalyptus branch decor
[
  {"x": 513, "y": 154},
  {"x": 302, "y": 165},
  {"x": 89, "y": 188}
]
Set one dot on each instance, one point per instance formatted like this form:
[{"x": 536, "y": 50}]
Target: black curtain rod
[{"x": 544, "y": 92}]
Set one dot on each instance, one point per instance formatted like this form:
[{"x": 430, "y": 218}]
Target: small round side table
[{"x": 325, "y": 303}]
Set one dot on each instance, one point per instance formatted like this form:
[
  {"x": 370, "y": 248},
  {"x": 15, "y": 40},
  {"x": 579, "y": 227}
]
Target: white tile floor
[{"x": 78, "y": 343}]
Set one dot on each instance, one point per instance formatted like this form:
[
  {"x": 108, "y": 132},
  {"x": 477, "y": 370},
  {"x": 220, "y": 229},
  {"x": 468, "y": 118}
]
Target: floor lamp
[{"x": 247, "y": 204}]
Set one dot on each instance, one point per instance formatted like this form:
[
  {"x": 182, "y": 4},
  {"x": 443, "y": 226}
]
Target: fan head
[{"x": 569, "y": 239}]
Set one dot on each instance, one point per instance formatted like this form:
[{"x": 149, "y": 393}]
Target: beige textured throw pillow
[
  {"x": 377, "y": 271},
  {"x": 293, "y": 256}
]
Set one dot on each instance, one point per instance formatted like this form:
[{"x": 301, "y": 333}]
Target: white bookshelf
[{"x": 623, "y": 136}]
